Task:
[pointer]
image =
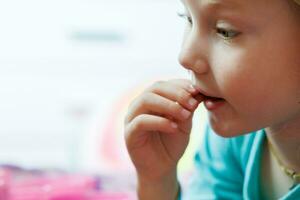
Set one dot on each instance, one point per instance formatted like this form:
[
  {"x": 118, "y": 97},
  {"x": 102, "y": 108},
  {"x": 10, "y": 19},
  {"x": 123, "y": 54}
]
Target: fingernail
[
  {"x": 192, "y": 101},
  {"x": 191, "y": 89},
  {"x": 174, "y": 125},
  {"x": 196, "y": 87},
  {"x": 185, "y": 113}
]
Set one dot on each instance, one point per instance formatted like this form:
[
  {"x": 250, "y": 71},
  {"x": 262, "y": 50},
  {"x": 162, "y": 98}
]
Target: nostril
[
  {"x": 201, "y": 66},
  {"x": 198, "y": 66},
  {"x": 197, "y": 63}
]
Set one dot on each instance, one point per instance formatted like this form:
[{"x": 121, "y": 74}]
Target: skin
[
  {"x": 246, "y": 52},
  {"x": 154, "y": 145}
]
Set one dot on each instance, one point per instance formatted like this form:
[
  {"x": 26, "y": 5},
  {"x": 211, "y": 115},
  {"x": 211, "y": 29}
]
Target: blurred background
[{"x": 68, "y": 70}]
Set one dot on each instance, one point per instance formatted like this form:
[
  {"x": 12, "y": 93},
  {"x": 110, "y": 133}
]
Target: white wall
[{"x": 66, "y": 65}]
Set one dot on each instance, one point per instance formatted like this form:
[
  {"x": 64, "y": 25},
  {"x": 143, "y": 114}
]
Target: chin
[
  {"x": 225, "y": 134},
  {"x": 228, "y": 130}
]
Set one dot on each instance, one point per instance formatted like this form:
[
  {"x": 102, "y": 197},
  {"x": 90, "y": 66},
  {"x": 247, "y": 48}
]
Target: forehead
[
  {"x": 210, "y": 1},
  {"x": 216, "y": 5},
  {"x": 232, "y": 4},
  {"x": 218, "y": 1}
]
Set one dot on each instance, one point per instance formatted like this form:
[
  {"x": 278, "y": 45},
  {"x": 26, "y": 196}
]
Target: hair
[
  {"x": 295, "y": 7},
  {"x": 297, "y": 2}
]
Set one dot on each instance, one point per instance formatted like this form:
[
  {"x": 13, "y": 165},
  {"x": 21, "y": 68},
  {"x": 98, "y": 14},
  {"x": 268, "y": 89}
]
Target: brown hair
[
  {"x": 295, "y": 6},
  {"x": 297, "y": 2}
]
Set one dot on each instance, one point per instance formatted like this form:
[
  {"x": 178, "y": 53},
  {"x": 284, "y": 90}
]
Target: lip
[{"x": 206, "y": 94}]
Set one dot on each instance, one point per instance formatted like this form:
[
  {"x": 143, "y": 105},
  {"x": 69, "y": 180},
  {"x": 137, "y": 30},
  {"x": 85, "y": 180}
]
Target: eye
[
  {"x": 186, "y": 17},
  {"x": 227, "y": 34}
]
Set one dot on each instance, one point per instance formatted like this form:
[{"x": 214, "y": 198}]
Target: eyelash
[
  {"x": 186, "y": 17},
  {"x": 226, "y": 34}
]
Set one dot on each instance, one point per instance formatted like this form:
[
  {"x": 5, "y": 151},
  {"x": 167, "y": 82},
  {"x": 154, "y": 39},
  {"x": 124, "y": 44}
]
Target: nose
[{"x": 194, "y": 53}]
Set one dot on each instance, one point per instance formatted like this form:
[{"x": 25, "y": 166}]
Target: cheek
[
  {"x": 258, "y": 78},
  {"x": 244, "y": 91},
  {"x": 232, "y": 72},
  {"x": 244, "y": 82},
  {"x": 252, "y": 85}
]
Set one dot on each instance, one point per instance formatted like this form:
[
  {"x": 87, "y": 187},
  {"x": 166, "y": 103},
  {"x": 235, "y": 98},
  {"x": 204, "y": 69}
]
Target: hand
[{"x": 158, "y": 125}]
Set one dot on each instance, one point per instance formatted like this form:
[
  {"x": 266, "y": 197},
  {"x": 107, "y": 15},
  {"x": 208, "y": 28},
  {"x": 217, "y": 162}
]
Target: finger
[
  {"x": 149, "y": 123},
  {"x": 199, "y": 97},
  {"x": 190, "y": 87},
  {"x": 186, "y": 84},
  {"x": 182, "y": 83},
  {"x": 177, "y": 92},
  {"x": 150, "y": 103}
]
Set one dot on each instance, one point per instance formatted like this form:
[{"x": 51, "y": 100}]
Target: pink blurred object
[
  {"x": 47, "y": 187},
  {"x": 92, "y": 196},
  {"x": 4, "y": 184},
  {"x": 22, "y": 185}
]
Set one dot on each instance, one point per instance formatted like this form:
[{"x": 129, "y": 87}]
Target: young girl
[{"x": 245, "y": 60}]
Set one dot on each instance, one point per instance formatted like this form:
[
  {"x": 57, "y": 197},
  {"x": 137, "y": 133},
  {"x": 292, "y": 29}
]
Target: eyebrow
[
  {"x": 218, "y": 3},
  {"x": 223, "y": 3},
  {"x": 229, "y": 9}
]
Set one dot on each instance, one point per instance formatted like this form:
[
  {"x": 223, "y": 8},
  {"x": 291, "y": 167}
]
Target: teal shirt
[{"x": 229, "y": 168}]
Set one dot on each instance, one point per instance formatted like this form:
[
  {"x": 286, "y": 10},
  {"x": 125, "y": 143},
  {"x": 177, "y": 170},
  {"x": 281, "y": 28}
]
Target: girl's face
[{"x": 248, "y": 53}]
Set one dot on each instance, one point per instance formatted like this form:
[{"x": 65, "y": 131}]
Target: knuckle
[
  {"x": 130, "y": 110},
  {"x": 162, "y": 122},
  {"x": 174, "y": 108},
  {"x": 137, "y": 123},
  {"x": 127, "y": 118},
  {"x": 128, "y": 134},
  {"x": 156, "y": 85},
  {"x": 181, "y": 81},
  {"x": 132, "y": 106},
  {"x": 177, "y": 111},
  {"x": 143, "y": 101},
  {"x": 127, "y": 131},
  {"x": 183, "y": 96}
]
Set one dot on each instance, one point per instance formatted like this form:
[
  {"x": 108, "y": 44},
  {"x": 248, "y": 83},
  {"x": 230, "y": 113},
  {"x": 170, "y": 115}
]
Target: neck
[{"x": 285, "y": 140}]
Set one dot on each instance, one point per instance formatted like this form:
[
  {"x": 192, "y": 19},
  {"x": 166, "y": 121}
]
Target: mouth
[
  {"x": 210, "y": 102},
  {"x": 202, "y": 97},
  {"x": 210, "y": 98},
  {"x": 207, "y": 96}
]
